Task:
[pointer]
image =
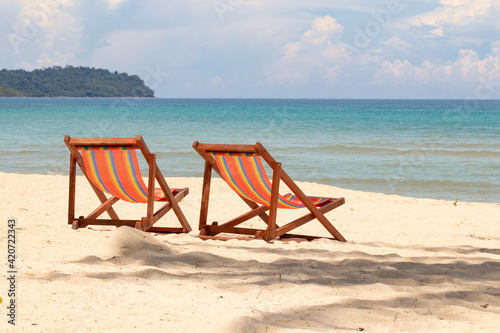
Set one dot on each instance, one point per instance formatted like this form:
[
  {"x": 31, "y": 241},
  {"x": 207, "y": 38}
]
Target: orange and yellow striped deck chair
[
  {"x": 110, "y": 165},
  {"x": 241, "y": 168}
]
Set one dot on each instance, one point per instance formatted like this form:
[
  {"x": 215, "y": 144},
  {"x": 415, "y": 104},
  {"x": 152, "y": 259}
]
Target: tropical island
[{"x": 71, "y": 82}]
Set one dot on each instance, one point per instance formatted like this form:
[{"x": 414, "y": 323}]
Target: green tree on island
[{"x": 71, "y": 82}]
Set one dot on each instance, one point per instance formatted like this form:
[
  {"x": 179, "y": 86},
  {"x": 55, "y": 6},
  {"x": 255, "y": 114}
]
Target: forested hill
[{"x": 71, "y": 82}]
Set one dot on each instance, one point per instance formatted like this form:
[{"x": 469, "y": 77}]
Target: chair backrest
[
  {"x": 246, "y": 175},
  {"x": 115, "y": 170},
  {"x": 111, "y": 165}
]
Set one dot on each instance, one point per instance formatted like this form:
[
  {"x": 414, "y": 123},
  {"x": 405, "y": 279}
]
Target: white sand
[{"x": 414, "y": 265}]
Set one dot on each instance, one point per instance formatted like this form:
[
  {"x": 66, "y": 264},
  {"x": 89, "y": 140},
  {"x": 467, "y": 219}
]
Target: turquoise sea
[{"x": 445, "y": 149}]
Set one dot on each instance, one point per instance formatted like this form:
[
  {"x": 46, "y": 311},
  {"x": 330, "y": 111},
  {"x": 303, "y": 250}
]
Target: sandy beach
[{"x": 409, "y": 265}]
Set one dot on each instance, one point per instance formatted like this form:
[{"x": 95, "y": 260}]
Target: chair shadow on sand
[
  {"x": 361, "y": 268},
  {"x": 352, "y": 277}
]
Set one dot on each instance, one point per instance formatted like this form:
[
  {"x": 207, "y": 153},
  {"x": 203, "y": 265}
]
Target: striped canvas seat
[
  {"x": 246, "y": 175},
  {"x": 115, "y": 170}
]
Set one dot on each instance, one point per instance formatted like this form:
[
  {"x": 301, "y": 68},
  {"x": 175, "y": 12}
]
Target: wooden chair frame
[
  {"x": 273, "y": 230},
  {"x": 145, "y": 223}
]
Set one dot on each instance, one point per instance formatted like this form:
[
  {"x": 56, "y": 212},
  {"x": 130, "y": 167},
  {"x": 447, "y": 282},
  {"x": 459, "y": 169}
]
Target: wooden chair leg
[
  {"x": 205, "y": 196},
  {"x": 151, "y": 189},
  {"x": 283, "y": 231},
  {"x": 179, "y": 195},
  {"x": 229, "y": 225},
  {"x": 72, "y": 189},
  {"x": 273, "y": 202}
]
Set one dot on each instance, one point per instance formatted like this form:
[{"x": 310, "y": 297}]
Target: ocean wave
[
  {"x": 371, "y": 150},
  {"x": 470, "y": 191}
]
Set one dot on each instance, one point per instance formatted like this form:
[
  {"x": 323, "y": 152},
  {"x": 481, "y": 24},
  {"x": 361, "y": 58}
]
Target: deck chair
[
  {"x": 110, "y": 165},
  {"x": 241, "y": 168}
]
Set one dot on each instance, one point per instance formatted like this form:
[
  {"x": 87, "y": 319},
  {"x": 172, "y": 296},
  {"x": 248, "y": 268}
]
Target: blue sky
[{"x": 267, "y": 49}]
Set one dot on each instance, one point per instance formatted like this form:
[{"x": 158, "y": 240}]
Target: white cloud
[
  {"x": 323, "y": 31},
  {"x": 44, "y": 60},
  {"x": 46, "y": 34},
  {"x": 131, "y": 49},
  {"x": 396, "y": 42},
  {"x": 453, "y": 14},
  {"x": 465, "y": 73},
  {"x": 323, "y": 26},
  {"x": 115, "y": 3},
  {"x": 315, "y": 53}
]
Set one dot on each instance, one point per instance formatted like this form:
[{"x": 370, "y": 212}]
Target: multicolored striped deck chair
[
  {"x": 110, "y": 165},
  {"x": 241, "y": 168}
]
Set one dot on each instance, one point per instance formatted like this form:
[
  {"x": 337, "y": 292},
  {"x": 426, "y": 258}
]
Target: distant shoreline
[
  {"x": 261, "y": 98},
  {"x": 96, "y": 97}
]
